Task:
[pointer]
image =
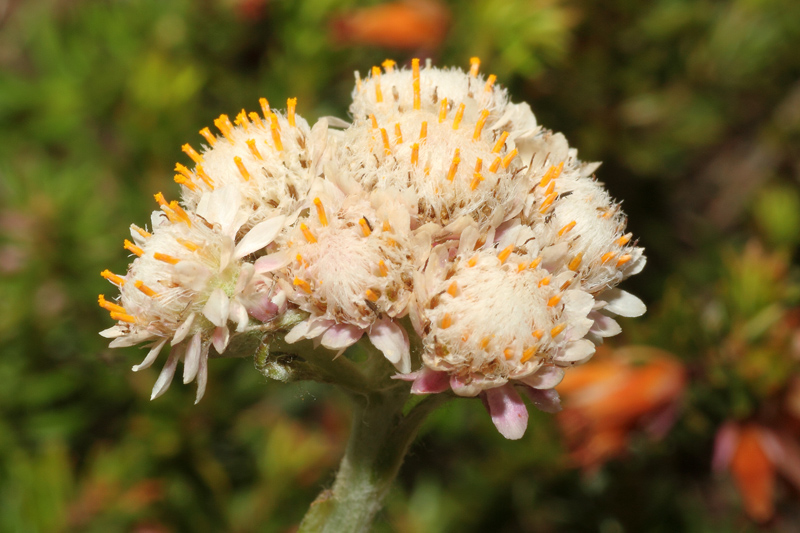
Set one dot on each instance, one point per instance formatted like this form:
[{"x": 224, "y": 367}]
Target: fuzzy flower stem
[{"x": 379, "y": 439}]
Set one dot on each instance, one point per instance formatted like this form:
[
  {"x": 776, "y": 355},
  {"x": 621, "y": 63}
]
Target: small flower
[{"x": 352, "y": 270}]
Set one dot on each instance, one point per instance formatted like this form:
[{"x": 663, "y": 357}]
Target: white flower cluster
[{"x": 441, "y": 202}]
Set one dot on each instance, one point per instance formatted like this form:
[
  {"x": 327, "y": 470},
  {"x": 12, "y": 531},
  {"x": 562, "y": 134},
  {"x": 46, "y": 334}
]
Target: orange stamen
[
  {"x": 528, "y": 353},
  {"x": 140, "y": 231},
  {"x": 607, "y": 257},
  {"x": 383, "y": 268},
  {"x": 459, "y": 116},
  {"x": 208, "y": 136},
  {"x": 473, "y": 261},
  {"x": 490, "y": 82},
  {"x": 307, "y": 234},
  {"x": 446, "y": 322},
  {"x": 223, "y": 124},
  {"x": 371, "y": 295},
  {"x": 475, "y": 64},
  {"x": 376, "y": 73},
  {"x": 556, "y": 330},
  {"x": 509, "y": 158},
  {"x": 503, "y": 255},
  {"x": 365, "y": 229},
  {"x": 454, "y": 165},
  {"x": 452, "y": 290},
  {"x": 508, "y": 353},
  {"x": 500, "y": 143},
  {"x": 625, "y": 239},
  {"x": 189, "y": 245},
  {"x": 495, "y": 164},
  {"x": 242, "y": 170},
  {"x": 241, "y": 120},
  {"x": 145, "y": 289},
  {"x": 423, "y": 131},
  {"x": 398, "y": 134},
  {"x": 276, "y": 135},
  {"x": 128, "y": 245},
  {"x": 552, "y": 302},
  {"x": 265, "y": 108},
  {"x": 566, "y": 228},
  {"x": 388, "y": 65},
  {"x": 183, "y": 170},
  {"x": 166, "y": 258},
  {"x": 182, "y": 180},
  {"x": 535, "y": 263},
  {"x": 415, "y": 154},
  {"x": 478, "y": 165},
  {"x": 480, "y": 124},
  {"x": 374, "y": 121},
  {"x": 624, "y": 259},
  {"x": 415, "y": 82},
  {"x": 303, "y": 284},
  {"x": 385, "y": 137},
  {"x": 251, "y": 144},
  {"x": 548, "y": 202},
  {"x": 291, "y": 106},
  {"x": 442, "y": 110},
  {"x": 477, "y": 178},
  {"x": 188, "y": 150},
  {"x": 178, "y": 210},
  {"x": 109, "y": 306},
  {"x": 544, "y": 281},
  {"x": 485, "y": 341},
  {"x": 123, "y": 317},
  {"x": 113, "y": 278},
  {"x": 537, "y": 334},
  {"x": 256, "y": 119},
  {"x": 323, "y": 219},
  {"x": 203, "y": 176},
  {"x": 576, "y": 262}
]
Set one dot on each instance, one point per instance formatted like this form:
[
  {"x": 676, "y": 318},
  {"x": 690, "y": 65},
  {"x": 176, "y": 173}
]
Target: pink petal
[
  {"x": 430, "y": 382},
  {"x": 464, "y": 388},
  {"x": 392, "y": 340},
  {"x": 724, "y": 446},
  {"x": 411, "y": 376},
  {"x": 341, "y": 336},
  {"x": 508, "y": 411},
  {"x": 604, "y": 326},
  {"x": 546, "y": 377},
  {"x": 544, "y": 400}
]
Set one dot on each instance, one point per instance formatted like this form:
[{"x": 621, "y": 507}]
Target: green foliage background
[{"x": 693, "y": 105}]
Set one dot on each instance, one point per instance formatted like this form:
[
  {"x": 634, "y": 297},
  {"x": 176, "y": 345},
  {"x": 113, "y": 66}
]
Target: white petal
[
  {"x": 165, "y": 377},
  {"x": 191, "y": 360},
  {"x": 622, "y": 303},
  {"x": 257, "y": 238},
  {"x": 296, "y": 333},
  {"x": 202, "y": 376},
  {"x": 576, "y": 351},
  {"x": 245, "y": 276},
  {"x": 183, "y": 329},
  {"x": 238, "y": 313},
  {"x": 151, "y": 356},
  {"x": 131, "y": 339},
  {"x": 216, "y": 308},
  {"x": 220, "y": 339},
  {"x": 578, "y": 303},
  {"x": 221, "y": 206},
  {"x": 112, "y": 333},
  {"x": 392, "y": 340},
  {"x": 340, "y": 336},
  {"x": 191, "y": 275},
  {"x": 272, "y": 262}
]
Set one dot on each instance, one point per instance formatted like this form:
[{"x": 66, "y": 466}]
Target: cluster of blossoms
[{"x": 442, "y": 202}]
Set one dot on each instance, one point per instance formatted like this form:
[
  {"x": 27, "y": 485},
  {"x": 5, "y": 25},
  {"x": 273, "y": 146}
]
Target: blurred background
[{"x": 689, "y": 421}]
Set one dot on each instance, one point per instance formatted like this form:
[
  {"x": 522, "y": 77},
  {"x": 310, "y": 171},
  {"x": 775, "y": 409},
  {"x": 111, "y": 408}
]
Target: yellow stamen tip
[
  {"x": 398, "y": 134},
  {"x": 544, "y": 281},
  {"x": 566, "y": 228},
  {"x": 527, "y": 354},
  {"x": 210, "y": 138},
  {"x": 452, "y": 290},
  {"x": 128, "y": 245},
  {"x": 371, "y": 295},
  {"x": 166, "y": 258},
  {"x": 384, "y": 270},
  {"x": 537, "y": 334},
  {"x": 624, "y": 259},
  {"x": 123, "y": 317},
  {"x": 145, "y": 289},
  {"x": 415, "y": 154},
  {"x": 303, "y": 284},
  {"x": 415, "y": 82},
  {"x": 385, "y": 137},
  {"x": 490, "y": 82},
  {"x": 509, "y": 158},
  {"x": 323, "y": 218},
  {"x": 508, "y": 353},
  {"x": 113, "y": 278},
  {"x": 388, "y": 65},
  {"x": 291, "y": 106},
  {"x": 552, "y": 302},
  {"x": 475, "y": 64},
  {"x": 242, "y": 170},
  {"x": 251, "y": 144},
  {"x": 477, "y": 178},
  {"x": 423, "y": 131},
  {"x": 558, "y": 329},
  {"x": 442, "y": 110},
  {"x": 454, "y": 165},
  {"x": 265, "y": 108}
]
